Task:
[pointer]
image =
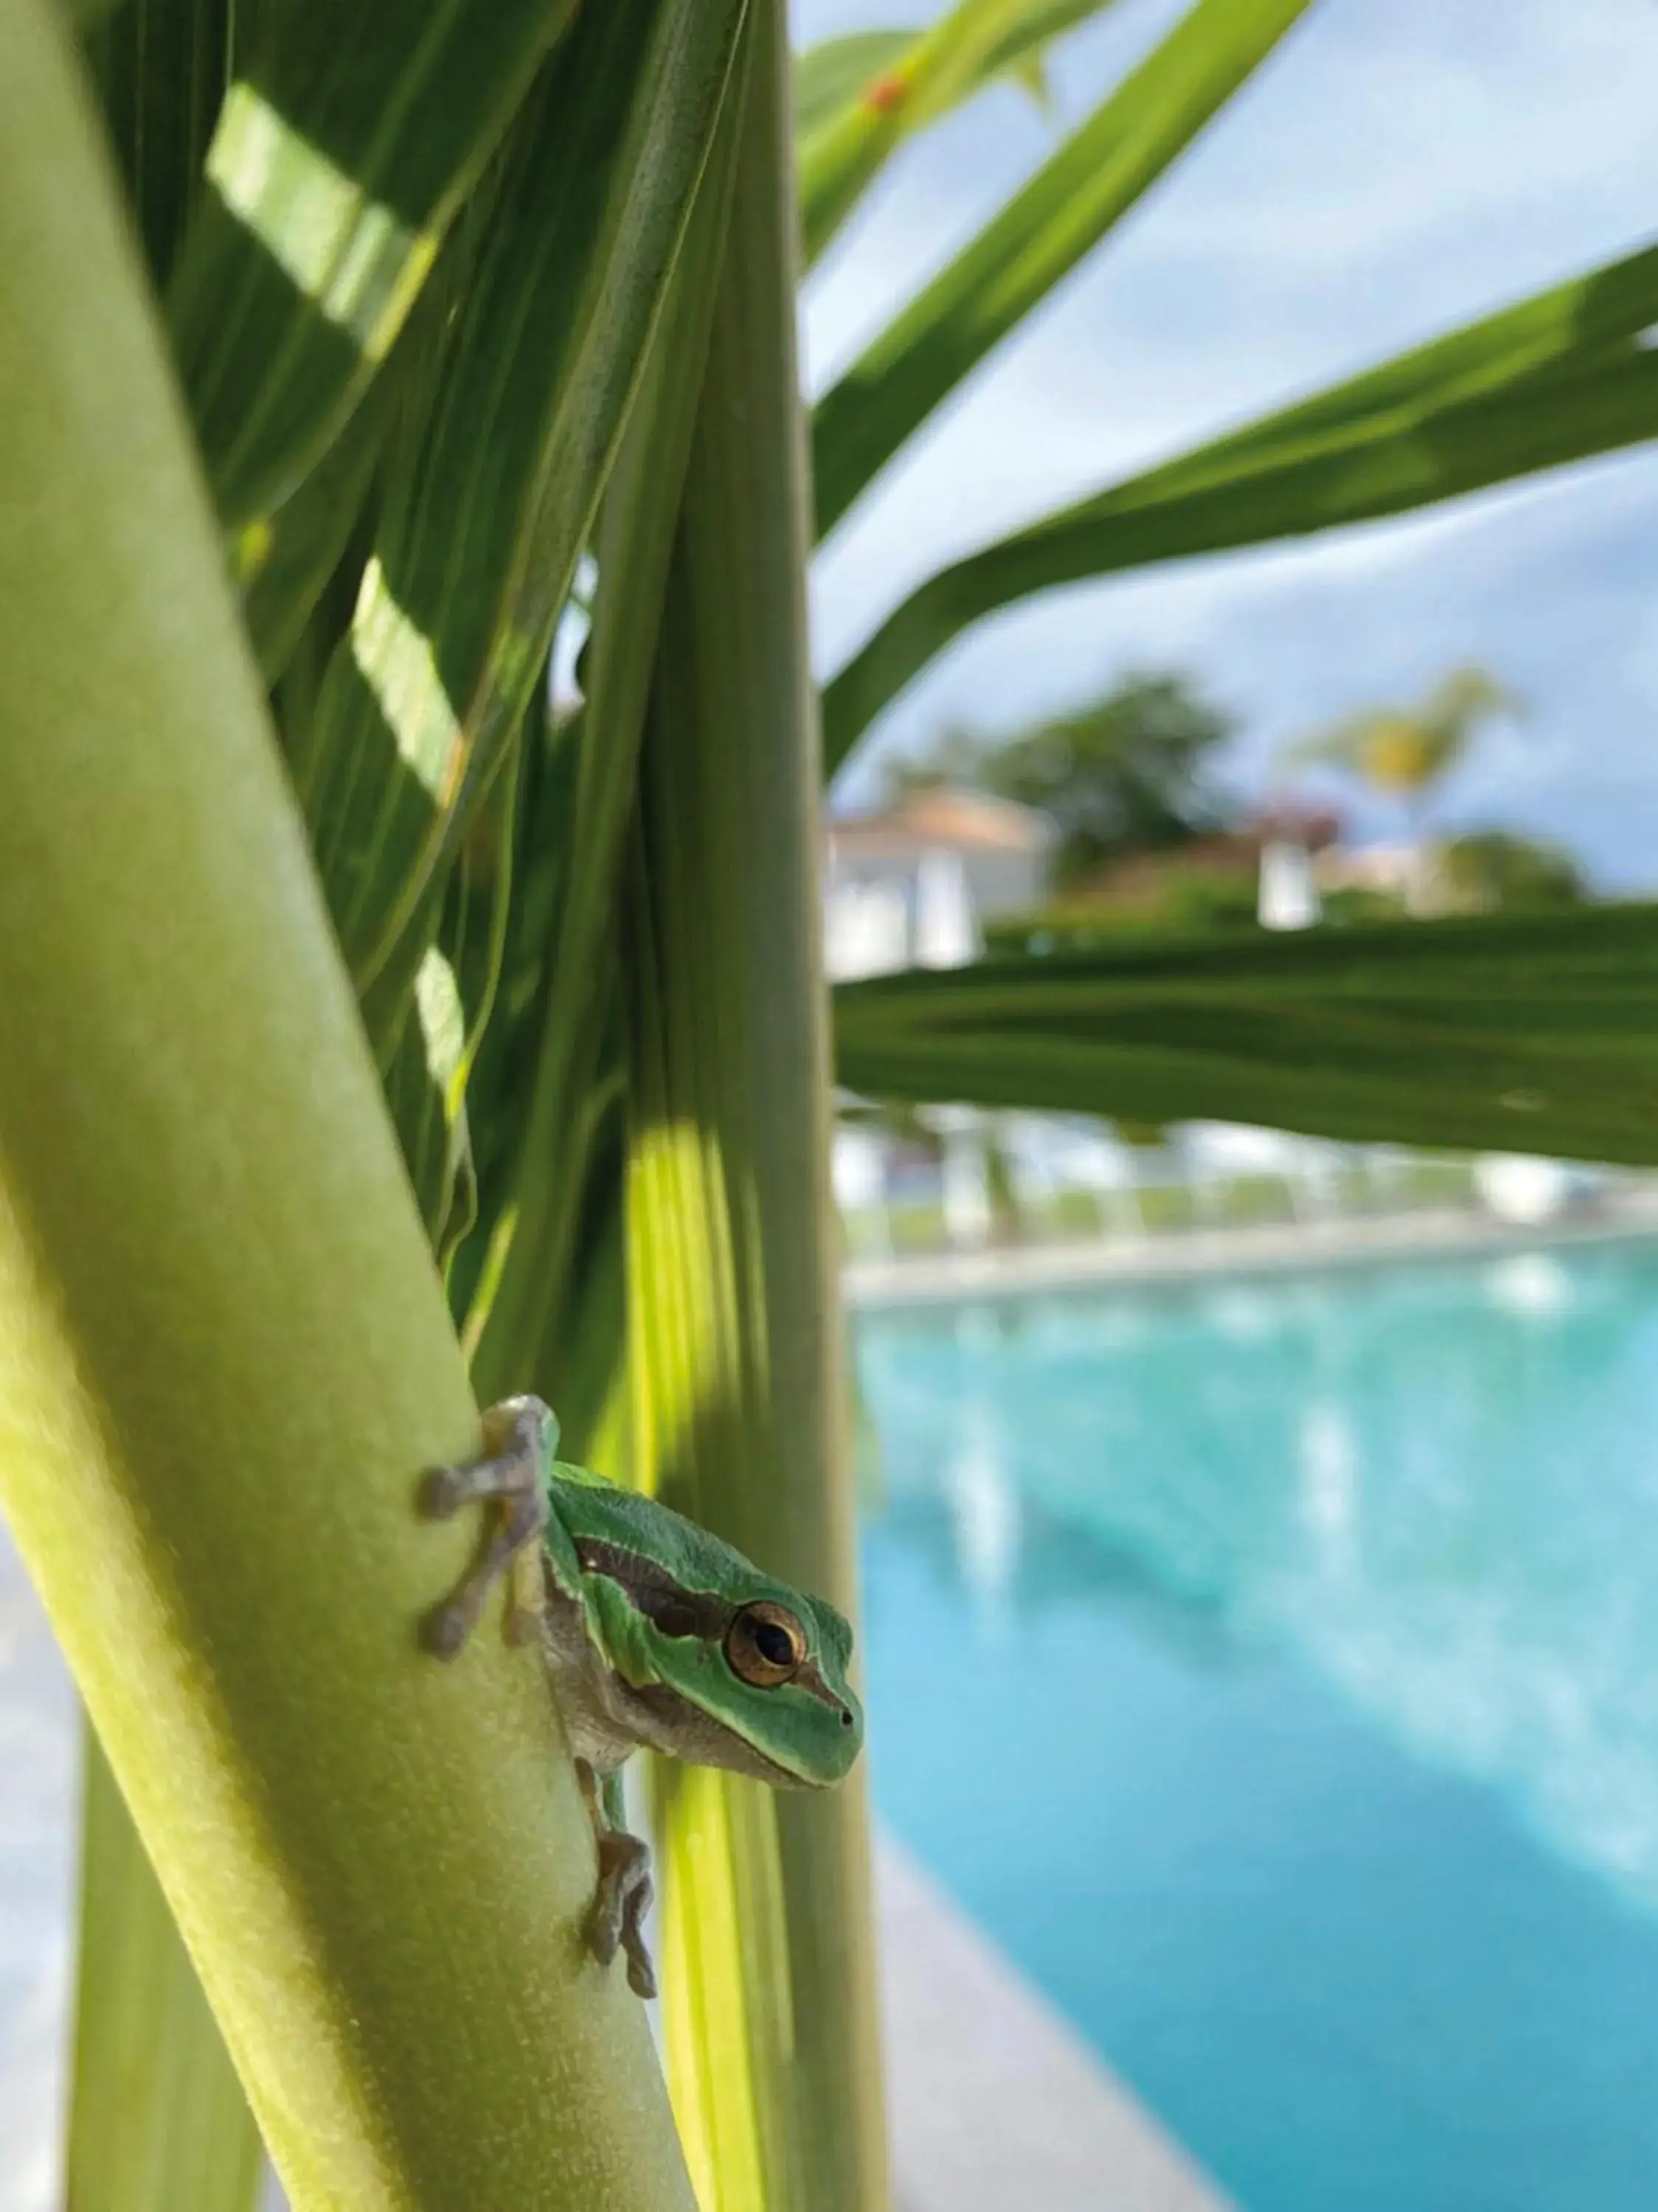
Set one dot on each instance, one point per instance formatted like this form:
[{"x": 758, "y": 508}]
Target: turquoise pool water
[{"x": 1271, "y": 1666}]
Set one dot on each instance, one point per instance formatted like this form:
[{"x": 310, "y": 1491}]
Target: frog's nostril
[{"x": 845, "y": 1717}]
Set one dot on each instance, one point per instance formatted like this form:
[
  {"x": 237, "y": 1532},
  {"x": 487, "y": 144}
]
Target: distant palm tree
[{"x": 1404, "y": 751}]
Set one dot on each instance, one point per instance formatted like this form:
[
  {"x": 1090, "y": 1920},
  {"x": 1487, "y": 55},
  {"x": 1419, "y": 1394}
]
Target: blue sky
[{"x": 1397, "y": 167}]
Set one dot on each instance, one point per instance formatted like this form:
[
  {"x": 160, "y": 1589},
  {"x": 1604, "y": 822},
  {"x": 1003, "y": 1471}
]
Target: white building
[{"x": 910, "y": 886}]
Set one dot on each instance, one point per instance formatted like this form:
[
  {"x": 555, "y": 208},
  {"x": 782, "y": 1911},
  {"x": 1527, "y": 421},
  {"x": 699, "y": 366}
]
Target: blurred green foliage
[{"x": 1126, "y": 773}]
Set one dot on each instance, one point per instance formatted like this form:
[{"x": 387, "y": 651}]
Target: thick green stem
[
  {"x": 739, "y": 1386},
  {"x": 224, "y": 1356}
]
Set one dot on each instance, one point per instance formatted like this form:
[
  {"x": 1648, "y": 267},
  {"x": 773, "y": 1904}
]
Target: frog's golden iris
[{"x": 766, "y": 1644}]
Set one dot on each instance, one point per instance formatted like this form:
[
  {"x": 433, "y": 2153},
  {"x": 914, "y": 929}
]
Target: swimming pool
[{"x": 1271, "y": 1666}]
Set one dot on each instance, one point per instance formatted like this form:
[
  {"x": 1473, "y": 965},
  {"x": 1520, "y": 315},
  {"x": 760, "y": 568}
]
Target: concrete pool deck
[
  {"x": 1441, "y": 1232},
  {"x": 994, "y": 2103}
]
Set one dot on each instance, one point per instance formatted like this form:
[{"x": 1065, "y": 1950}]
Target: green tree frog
[{"x": 653, "y": 1631}]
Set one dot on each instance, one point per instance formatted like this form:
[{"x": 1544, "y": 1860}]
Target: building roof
[
  {"x": 1287, "y": 822},
  {"x": 938, "y": 817}
]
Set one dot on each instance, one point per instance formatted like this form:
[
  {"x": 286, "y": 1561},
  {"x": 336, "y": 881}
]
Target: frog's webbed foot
[
  {"x": 511, "y": 1475},
  {"x": 616, "y": 1921}
]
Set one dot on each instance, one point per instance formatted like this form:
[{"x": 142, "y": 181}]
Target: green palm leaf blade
[
  {"x": 1490, "y": 1032},
  {"x": 287, "y": 562},
  {"x": 488, "y": 507},
  {"x": 1099, "y": 171},
  {"x": 431, "y": 1067},
  {"x": 301, "y": 567},
  {"x": 500, "y": 1082},
  {"x": 159, "y": 67},
  {"x": 547, "y": 1086},
  {"x": 349, "y": 137},
  {"x": 858, "y": 98},
  {"x": 1555, "y": 379},
  {"x": 456, "y": 988},
  {"x": 158, "y": 2121},
  {"x": 831, "y": 74}
]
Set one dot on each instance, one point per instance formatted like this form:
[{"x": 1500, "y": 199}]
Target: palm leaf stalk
[
  {"x": 226, "y": 1357},
  {"x": 736, "y": 1370}
]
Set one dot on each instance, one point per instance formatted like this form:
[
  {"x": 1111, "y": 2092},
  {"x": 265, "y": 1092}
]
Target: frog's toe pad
[
  {"x": 444, "y": 1630},
  {"x": 443, "y": 1492},
  {"x": 640, "y": 1975}
]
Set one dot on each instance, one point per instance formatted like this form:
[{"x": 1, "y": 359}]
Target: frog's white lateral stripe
[
  {"x": 395, "y": 660},
  {"x": 356, "y": 258}
]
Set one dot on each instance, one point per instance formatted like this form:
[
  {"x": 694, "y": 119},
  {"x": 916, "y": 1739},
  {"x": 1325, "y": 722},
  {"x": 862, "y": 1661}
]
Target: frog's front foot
[
  {"x": 619, "y": 1906},
  {"x": 518, "y": 1438}
]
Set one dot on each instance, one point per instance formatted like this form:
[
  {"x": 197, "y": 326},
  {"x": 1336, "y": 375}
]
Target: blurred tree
[
  {"x": 1124, "y": 774},
  {"x": 1494, "y": 870}
]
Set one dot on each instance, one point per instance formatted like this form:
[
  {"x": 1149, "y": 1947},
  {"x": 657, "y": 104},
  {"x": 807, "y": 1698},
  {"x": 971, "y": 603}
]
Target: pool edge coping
[{"x": 1449, "y": 1233}]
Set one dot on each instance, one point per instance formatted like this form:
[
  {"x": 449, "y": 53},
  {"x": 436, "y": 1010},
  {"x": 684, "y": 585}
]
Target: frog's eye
[{"x": 764, "y": 1644}]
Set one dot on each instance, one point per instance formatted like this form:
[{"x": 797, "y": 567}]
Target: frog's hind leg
[
  {"x": 519, "y": 1436},
  {"x": 624, "y": 1892}
]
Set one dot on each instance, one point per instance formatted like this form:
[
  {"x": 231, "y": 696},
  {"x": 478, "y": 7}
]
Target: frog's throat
[{"x": 672, "y": 1722}]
